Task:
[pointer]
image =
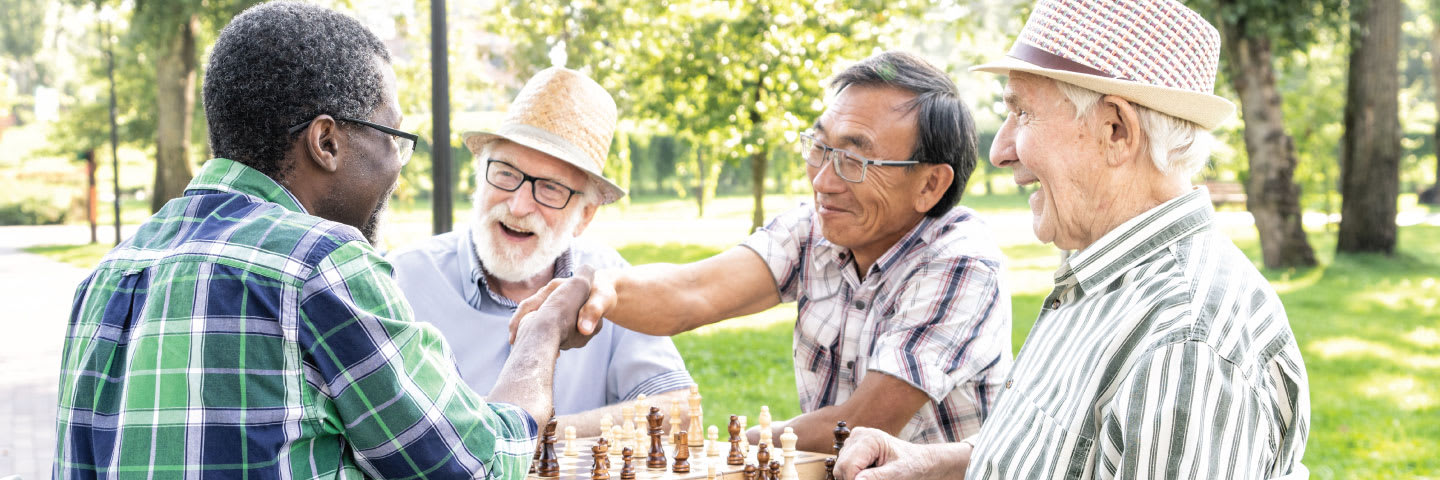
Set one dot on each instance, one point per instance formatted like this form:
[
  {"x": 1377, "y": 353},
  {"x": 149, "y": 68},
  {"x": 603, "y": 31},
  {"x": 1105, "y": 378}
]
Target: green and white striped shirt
[{"x": 1161, "y": 353}]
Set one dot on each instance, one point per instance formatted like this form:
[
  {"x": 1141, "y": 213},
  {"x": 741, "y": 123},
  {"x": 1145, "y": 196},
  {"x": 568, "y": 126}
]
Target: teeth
[{"x": 520, "y": 230}]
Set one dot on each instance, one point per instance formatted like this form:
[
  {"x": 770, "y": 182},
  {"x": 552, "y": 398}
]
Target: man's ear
[
  {"x": 1121, "y": 133},
  {"x": 585, "y": 218},
  {"x": 322, "y": 143},
  {"x": 937, "y": 180}
]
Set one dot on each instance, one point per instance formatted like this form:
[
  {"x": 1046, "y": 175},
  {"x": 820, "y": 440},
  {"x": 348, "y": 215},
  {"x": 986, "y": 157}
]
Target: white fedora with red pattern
[{"x": 1155, "y": 53}]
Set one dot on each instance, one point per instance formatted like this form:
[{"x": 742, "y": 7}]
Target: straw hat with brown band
[{"x": 564, "y": 114}]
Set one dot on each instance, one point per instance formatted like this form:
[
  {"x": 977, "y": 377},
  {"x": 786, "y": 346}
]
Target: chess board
[{"x": 810, "y": 465}]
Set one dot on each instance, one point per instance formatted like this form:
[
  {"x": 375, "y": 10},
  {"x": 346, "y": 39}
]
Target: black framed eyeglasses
[
  {"x": 848, "y": 166},
  {"x": 404, "y": 141},
  {"x": 547, "y": 192}
]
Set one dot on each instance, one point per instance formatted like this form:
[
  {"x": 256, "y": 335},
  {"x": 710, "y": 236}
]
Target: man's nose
[
  {"x": 825, "y": 180},
  {"x": 522, "y": 200},
  {"x": 1002, "y": 150}
]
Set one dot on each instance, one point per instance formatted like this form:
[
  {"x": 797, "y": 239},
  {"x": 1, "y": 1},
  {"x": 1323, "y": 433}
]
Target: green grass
[{"x": 83, "y": 256}]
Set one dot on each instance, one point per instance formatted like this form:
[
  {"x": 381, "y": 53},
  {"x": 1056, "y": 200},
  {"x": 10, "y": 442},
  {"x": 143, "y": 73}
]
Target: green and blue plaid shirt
[{"x": 235, "y": 335}]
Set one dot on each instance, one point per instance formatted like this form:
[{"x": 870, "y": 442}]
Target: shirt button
[
  {"x": 860, "y": 304},
  {"x": 1009, "y": 383},
  {"x": 1055, "y": 304},
  {"x": 850, "y": 365}
]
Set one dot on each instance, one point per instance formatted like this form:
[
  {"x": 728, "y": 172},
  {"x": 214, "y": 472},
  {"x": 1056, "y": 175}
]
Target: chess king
[
  {"x": 540, "y": 184},
  {"x": 904, "y": 324}
]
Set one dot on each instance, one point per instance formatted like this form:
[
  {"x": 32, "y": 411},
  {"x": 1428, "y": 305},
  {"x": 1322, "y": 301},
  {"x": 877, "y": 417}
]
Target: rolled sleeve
[
  {"x": 645, "y": 364},
  {"x": 392, "y": 384},
  {"x": 781, "y": 245},
  {"x": 944, "y": 331}
]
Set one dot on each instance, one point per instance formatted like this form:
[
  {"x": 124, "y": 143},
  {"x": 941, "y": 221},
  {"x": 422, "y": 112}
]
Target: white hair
[{"x": 1176, "y": 145}]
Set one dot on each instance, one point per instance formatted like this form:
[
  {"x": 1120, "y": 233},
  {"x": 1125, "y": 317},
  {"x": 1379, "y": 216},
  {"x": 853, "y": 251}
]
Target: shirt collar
[
  {"x": 225, "y": 175},
  {"x": 478, "y": 287},
  {"x": 1137, "y": 240}
]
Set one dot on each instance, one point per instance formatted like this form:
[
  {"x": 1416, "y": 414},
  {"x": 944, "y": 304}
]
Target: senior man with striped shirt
[
  {"x": 1161, "y": 352},
  {"x": 903, "y": 321}
]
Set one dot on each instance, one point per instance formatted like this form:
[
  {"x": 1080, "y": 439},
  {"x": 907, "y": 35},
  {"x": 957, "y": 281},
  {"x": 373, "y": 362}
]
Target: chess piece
[
  {"x": 737, "y": 456},
  {"x": 762, "y": 455},
  {"x": 675, "y": 419},
  {"x": 697, "y": 417},
  {"x": 774, "y": 471},
  {"x": 830, "y": 468},
  {"x": 549, "y": 464},
  {"x": 765, "y": 432},
  {"x": 744, "y": 439},
  {"x": 712, "y": 448},
  {"x": 656, "y": 458},
  {"x": 570, "y": 447},
  {"x": 712, "y": 470},
  {"x": 682, "y": 453},
  {"x": 535, "y": 461},
  {"x": 842, "y": 432},
  {"x": 605, "y": 423},
  {"x": 629, "y": 432},
  {"x": 787, "y": 440},
  {"x": 616, "y": 432},
  {"x": 627, "y": 470},
  {"x": 600, "y": 470},
  {"x": 750, "y": 471}
]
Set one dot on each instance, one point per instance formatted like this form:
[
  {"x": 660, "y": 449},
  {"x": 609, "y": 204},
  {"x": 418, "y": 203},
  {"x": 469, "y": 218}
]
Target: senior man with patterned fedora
[
  {"x": 1161, "y": 352},
  {"x": 541, "y": 182}
]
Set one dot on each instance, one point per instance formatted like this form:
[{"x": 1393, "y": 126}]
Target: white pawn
[
  {"x": 629, "y": 432},
  {"x": 711, "y": 470},
  {"x": 712, "y": 448},
  {"x": 744, "y": 438},
  {"x": 765, "y": 433},
  {"x": 787, "y": 440},
  {"x": 605, "y": 423},
  {"x": 570, "y": 447}
]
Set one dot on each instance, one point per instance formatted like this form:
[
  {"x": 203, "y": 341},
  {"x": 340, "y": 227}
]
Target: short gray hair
[{"x": 1176, "y": 145}]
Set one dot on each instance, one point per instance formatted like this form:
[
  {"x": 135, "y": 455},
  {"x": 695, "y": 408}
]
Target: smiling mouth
[{"x": 514, "y": 232}]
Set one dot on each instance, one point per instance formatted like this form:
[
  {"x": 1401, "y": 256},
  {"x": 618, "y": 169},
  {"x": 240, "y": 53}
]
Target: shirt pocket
[{"x": 1022, "y": 440}]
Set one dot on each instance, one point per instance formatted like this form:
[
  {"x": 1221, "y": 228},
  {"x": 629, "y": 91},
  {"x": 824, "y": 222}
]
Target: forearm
[
  {"x": 528, "y": 378},
  {"x": 660, "y": 299},
  {"x": 587, "y": 423}
]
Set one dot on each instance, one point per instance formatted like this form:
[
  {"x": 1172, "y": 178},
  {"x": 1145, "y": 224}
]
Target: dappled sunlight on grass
[
  {"x": 1424, "y": 337},
  {"x": 1352, "y": 347},
  {"x": 1405, "y": 391}
]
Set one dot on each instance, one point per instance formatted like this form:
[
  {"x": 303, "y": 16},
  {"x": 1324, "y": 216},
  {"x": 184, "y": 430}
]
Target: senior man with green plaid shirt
[{"x": 250, "y": 328}]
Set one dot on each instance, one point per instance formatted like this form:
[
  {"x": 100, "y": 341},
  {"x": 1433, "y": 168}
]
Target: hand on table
[{"x": 871, "y": 454}]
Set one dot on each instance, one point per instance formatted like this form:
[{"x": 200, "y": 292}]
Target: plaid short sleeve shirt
[
  {"x": 235, "y": 335},
  {"x": 932, "y": 312}
]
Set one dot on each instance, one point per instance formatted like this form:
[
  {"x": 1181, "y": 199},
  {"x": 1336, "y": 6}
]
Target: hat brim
[
  {"x": 1206, "y": 110},
  {"x": 476, "y": 142}
]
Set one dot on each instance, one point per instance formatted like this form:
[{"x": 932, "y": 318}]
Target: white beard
[{"x": 508, "y": 262}]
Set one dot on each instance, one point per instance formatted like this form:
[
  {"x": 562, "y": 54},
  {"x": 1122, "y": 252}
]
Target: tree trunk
[
  {"x": 175, "y": 102},
  {"x": 1431, "y": 196},
  {"x": 1272, "y": 196},
  {"x": 1370, "y": 155},
  {"x": 758, "y": 160},
  {"x": 700, "y": 180}
]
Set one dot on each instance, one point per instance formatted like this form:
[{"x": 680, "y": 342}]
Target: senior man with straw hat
[
  {"x": 541, "y": 181},
  {"x": 1161, "y": 352}
]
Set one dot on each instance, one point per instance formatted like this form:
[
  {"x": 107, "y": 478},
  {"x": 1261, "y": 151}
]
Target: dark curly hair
[
  {"x": 946, "y": 129},
  {"x": 279, "y": 64}
]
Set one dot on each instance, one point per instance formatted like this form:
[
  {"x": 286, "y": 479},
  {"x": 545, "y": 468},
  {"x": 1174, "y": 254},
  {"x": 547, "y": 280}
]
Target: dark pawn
[
  {"x": 600, "y": 470},
  {"x": 750, "y": 471},
  {"x": 830, "y": 468},
  {"x": 842, "y": 432},
  {"x": 627, "y": 471},
  {"x": 656, "y": 458},
  {"x": 774, "y": 470},
  {"x": 549, "y": 463},
  {"x": 736, "y": 457},
  {"x": 682, "y": 453},
  {"x": 762, "y": 455}
]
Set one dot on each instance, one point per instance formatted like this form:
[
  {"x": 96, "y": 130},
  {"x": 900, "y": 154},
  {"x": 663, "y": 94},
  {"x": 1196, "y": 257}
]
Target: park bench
[{"x": 1225, "y": 192}]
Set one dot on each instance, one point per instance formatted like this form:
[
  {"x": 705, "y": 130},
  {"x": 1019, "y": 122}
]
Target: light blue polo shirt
[{"x": 446, "y": 286}]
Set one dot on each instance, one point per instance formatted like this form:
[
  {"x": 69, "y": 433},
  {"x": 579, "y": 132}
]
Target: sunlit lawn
[{"x": 1369, "y": 328}]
